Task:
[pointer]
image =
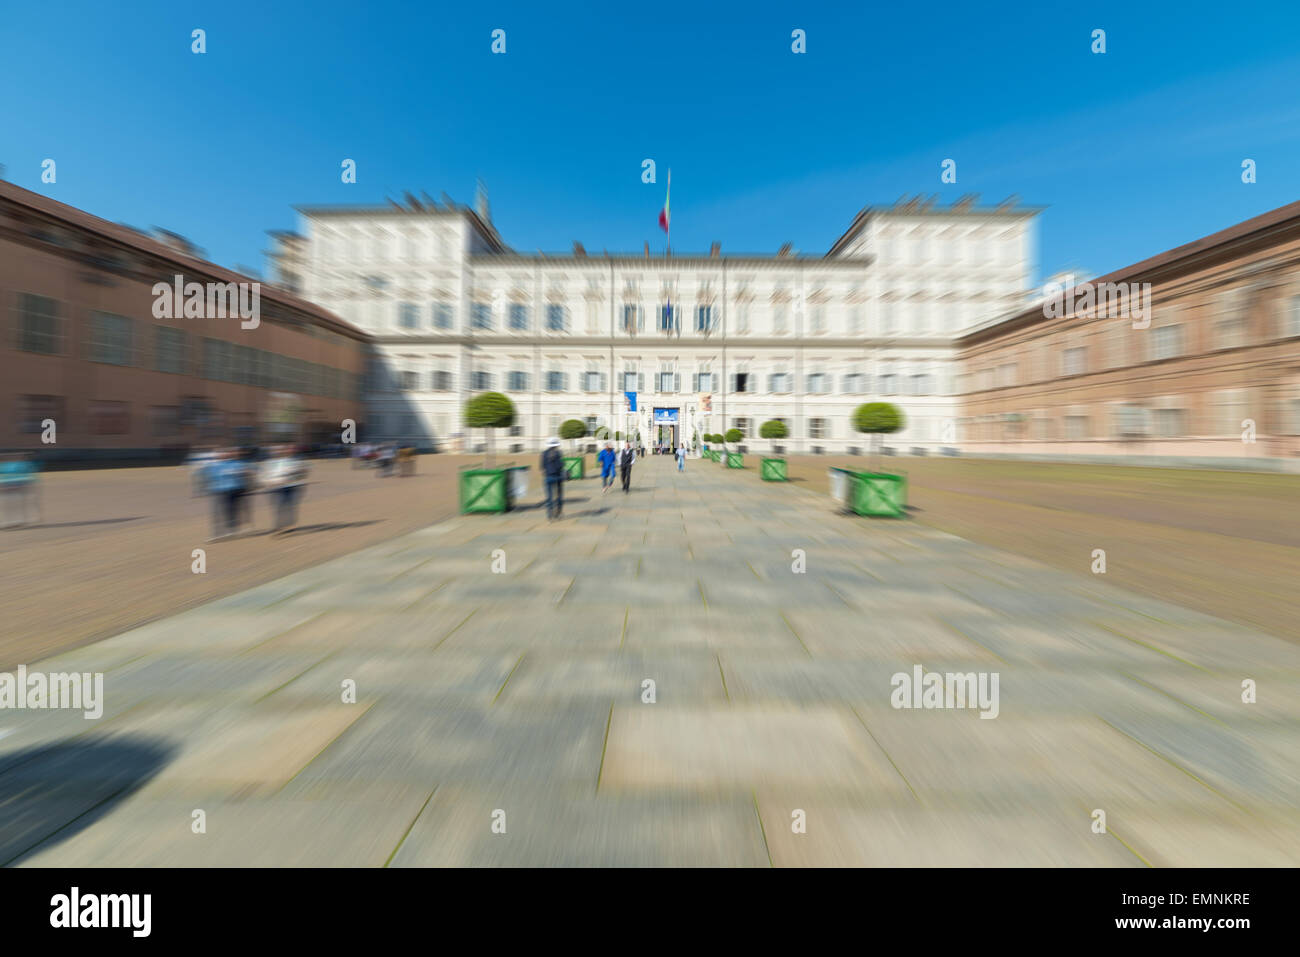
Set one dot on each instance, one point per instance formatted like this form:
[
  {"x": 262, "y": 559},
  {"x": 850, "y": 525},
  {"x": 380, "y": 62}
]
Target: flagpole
[{"x": 668, "y": 202}]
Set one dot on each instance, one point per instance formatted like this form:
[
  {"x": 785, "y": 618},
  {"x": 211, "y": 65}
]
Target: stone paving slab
[{"x": 525, "y": 693}]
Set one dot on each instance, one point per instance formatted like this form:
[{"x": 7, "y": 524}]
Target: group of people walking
[
  {"x": 232, "y": 476},
  {"x": 611, "y": 461},
  {"x": 388, "y": 459}
]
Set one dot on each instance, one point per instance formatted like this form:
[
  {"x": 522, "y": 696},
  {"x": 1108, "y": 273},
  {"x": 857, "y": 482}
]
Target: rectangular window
[
  {"x": 480, "y": 381},
  {"x": 555, "y": 318},
  {"x": 704, "y": 319},
  {"x": 169, "y": 350},
  {"x": 39, "y": 328},
  {"x": 1074, "y": 361},
  {"x": 591, "y": 382},
  {"x": 1171, "y": 423},
  {"x": 631, "y": 319},
  {"x": 442, "y": 315},
  {"x": 165, "y": 420},
  {"x": 668, "y": 382},
  {"x": 408, "y": 316},
  {"x": 555, "y": 381},
  {"x": 1076, "y": 427},
  {"x": 921, "y": 384},
  {"x": 817, "y": 429},
  {"x": 888, "y": 383},
  {"x": 410, "y": 381},
  {"x": 1230, "y": 330},
  {"x": 666, "y": 315},
  {"x": 517, "y": 382},
  {"x": 1291, "y": 316},
  {"x": 481, "y": 315},
  {"x": 33, "y": 410},
  {"x": 1167, "y": 343},
  {"x": 441, "y": 380},
  {"x": 705, "y": 382},
  {"x": 817, "y": 383},
  {"x": 110, "y": 339},
  {"x": 518, "y": 316},
  {"x": 109, "y": 418}
]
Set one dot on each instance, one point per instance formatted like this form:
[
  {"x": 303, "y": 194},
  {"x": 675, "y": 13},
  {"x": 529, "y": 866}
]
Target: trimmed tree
[
  {"x": 773, "y": 430},
  {"x": 490, "y": 411},
  {"x": 573, "y": 429},
  {"x": 877, "y": 419}
]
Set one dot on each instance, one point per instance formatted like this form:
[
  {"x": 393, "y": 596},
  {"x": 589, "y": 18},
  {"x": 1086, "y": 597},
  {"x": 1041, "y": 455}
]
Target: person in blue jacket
[
  {"x": 607, "y": 458},
  {"x": 224, "y": 479}
]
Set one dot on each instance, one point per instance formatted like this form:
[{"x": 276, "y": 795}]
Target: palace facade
[{"x": 697, "y": 343}]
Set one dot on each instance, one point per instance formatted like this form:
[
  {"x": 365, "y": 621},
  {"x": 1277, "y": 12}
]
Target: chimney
[
  {"x": 578, "y": 249},
  {"x": 715, "y": 250},
  {"x": 784, "y": 251},
  {"x": 647, "y": 249}
]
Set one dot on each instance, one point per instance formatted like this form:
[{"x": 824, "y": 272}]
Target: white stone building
[{"x": 708, "y": 342}]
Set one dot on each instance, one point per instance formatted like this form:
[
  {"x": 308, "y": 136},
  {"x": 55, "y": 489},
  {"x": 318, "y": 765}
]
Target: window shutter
[
  {"x": 640, "y": 382},
  {"x": 602, "y": 382},
  {"x": 695, "y": 382}
]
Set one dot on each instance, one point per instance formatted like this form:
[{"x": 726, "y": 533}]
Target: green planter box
[
  {"x": 735, "y": 460},
  {"x": 575, "y": 466},
  {"x": 492, "y": 490},
  {"x": 772, "y": 470},
  {"x": 870, "y": 493}
]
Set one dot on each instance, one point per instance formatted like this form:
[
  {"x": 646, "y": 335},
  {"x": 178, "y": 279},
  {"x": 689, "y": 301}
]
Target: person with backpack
[{"x": 552, "y": 469}]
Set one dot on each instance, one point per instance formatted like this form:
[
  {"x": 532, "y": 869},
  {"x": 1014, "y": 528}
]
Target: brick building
[{"x": 88, "y": 344}]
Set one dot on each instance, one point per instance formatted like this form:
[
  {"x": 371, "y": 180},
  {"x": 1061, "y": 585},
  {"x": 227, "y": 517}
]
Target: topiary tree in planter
[
  {"x": 573, "y": 429},
  {"x": 773, "y": 430},
  {"x": 773, "y": 469},
  {"x": 877, "y": 419},
  {"x": 490, "y": 411},
  {"x": 733, "y": 437}
]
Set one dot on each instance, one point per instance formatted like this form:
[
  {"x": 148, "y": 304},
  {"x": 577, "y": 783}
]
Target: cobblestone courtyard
[{"x": 514, "y": 700}]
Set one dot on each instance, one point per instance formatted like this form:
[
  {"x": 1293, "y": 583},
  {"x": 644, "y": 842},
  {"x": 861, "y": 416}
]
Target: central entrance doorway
[{"x": 666, "y": 425}]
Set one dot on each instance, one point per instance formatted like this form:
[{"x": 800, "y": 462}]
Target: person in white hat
[{"x": 552, "y": 468}]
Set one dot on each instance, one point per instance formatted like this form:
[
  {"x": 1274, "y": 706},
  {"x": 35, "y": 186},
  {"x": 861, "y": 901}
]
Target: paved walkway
[{"x": 517, "y": 699}]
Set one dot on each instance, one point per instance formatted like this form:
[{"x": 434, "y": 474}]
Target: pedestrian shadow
[
  {"x": 50, "y": 793},
  {"x": 589, "y": 513},
  {"x": 97, "y": 521},
  {"x": 325, "y": 527}
]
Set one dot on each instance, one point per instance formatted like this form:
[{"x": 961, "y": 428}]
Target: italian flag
[{"x": 663, "y": 213}]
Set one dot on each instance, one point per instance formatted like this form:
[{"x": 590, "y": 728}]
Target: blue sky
[{"x": 1132, "y": 151}]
